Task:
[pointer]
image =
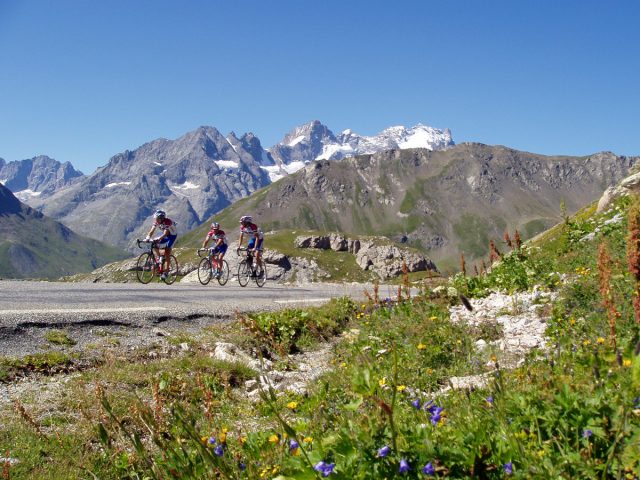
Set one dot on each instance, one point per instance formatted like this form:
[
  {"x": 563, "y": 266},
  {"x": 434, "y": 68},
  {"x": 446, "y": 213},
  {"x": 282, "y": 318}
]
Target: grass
[
  {"x": 58, "y": 337},
  {"x": 570, "y": 411}
]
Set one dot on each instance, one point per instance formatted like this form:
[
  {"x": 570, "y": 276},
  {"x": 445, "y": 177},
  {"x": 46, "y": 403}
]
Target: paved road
[{"x": 29, "y": 309}]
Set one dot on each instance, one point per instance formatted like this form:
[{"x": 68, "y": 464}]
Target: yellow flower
[
  {"x": 295, "y": 452},
  {"x": 626, "y": 362},
  {"x": 459, "y": 342},
  {"x": 204, "y": 440},
  {"x": 274, "y": 470},
  {"x": 433, "y": 318},
  {"x": 382, "y": 382},
  {"x": 222, "y": 438},
  {"x": 429, "y": 371},
  {"x": 401, "y": 388},
  {"x": 494, "y": 358},
  {"x": 586, "y": 342},
  {"x": 572, "y": 321},
  {"x": 343, "y": 365},
  {"x": 421, "y": 346},
  {"x": 308, "y": 440},
  {"x": 600, "y": 341},
  {"x": 243, "y": 440},
  {"x": 274, "y": 438},
  {"x": 292, "y": 405}
]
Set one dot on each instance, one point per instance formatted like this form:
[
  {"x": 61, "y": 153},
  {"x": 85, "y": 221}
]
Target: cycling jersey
[
  {"x": 252, "y": 229},
  {"x": 217, "y": 236},
  {"x": 166, "y": 224}
]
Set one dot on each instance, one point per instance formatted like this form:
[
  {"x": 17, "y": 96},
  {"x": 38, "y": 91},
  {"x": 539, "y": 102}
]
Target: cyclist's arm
[
  {"x": 165, "y": 233},
  {"x": 206, "y": 241},
  {"x": 153, "y": 229},
  {"x": 240, "y": 239}
]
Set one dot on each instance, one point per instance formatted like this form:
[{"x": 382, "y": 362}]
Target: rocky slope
[
  {"x": 191, "y": 178},
  {"x": 37, "y": 176},
  {"x": 444, "y": 202},
  {"x": 34, "y": 246}
]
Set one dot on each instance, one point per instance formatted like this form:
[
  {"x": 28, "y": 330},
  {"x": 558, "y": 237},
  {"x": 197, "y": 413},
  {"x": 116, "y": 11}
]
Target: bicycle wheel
[
  {"x": 172, "y": 274},
  {"x": 224, "y": 273},
  {"x": 204, "y": 271},
  {"x": 145, "y": 268},
  {"x": 244, "y": 272},
  {"x": 261, "y": 274}
]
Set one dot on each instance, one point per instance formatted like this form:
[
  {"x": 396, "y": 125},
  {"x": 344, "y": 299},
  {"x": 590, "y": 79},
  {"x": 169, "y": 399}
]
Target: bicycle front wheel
[
  {"x": 172, "y": 273},
  {"x": 244, "y": 272},
  {"x": 224, "y": 273},
  {"x": 261, "y": 273},
  {"x": 145, "y": 268},
  {"x": 204, "y": 271}
]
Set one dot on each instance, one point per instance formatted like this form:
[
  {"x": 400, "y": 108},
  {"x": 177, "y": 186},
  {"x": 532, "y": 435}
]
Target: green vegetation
[
  {"x": 59, "y": 337},
  {"x": 473, "y": 235},
  {"x": 571, "y": 410}
]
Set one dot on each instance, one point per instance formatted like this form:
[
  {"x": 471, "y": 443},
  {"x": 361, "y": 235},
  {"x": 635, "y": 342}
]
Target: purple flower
[
  {"x": 436, "y": 415},
  {"x": 242, "y": 466},
  {"x": 416, "y": 404},
  {"x": 428, "y": 469},
  {"x": 490, "y": 399},
  {"x": 508, "y": 468},
  {"x": 219, "y": 450},
  {"x": 384, "y": 451},
  {"x": 587, "y": 433},
  {"x": 212, "y": 441},
  {"x": 636, "y": 402},
  {"x": 404, "y": 466},
  {"x": 293, "y": 445},
  {"x": 324, "y": 468}
]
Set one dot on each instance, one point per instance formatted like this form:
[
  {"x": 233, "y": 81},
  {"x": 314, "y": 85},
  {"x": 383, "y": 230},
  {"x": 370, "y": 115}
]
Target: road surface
[{"x": 89, "y": 313}]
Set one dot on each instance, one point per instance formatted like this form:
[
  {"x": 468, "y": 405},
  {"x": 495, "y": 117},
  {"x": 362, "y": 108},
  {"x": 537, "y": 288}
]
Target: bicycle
[
  {"x": 149, "y": 264},
  {"x": 246, "y": 270},
  {"x": 206, "y": 270}
]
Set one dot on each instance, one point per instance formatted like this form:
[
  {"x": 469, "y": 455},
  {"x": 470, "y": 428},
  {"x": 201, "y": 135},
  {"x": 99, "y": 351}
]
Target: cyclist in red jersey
[{"x": 220, "y": 247}]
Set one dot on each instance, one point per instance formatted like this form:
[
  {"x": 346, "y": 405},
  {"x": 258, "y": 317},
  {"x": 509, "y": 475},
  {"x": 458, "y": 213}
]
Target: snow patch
[
  {"x": 185, "y": 186},
  {"x": 226, "y": 163},
  {"x": 158, "y": 163},
  {"x": 296, "y": 140},
  {"x": 23, "y": 195},
  {"x": 274, "y": 172},
  {"x": 116, "y": 184}
]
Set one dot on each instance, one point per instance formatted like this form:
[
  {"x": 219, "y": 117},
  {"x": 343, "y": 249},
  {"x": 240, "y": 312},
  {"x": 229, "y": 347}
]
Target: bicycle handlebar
[{"x": 140, "y": 242}]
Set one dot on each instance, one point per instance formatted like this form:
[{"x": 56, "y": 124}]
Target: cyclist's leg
[{"x": 259, "y": 254}]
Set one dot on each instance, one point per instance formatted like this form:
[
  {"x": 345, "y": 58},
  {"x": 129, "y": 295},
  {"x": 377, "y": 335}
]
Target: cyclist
[
  {"x": 220, "y": 247},
  {"x": 166, "y": 240},
  {"x": 255, "y": 235}
]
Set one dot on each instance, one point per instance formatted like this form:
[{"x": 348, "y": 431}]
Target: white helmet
[
  {"x": 245, "y": 218},
  {"x": 159, "y": 214}
]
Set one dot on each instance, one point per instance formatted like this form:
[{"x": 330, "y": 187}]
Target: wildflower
[
  {"x": 308, "y": 440},
  {"x": 489, "y": 399},
  {"x": 274, "y": 438},
  {"x": 429, "y": 371},
  {"x": 404, "y": 466},
  {"x": 401, "y": 388},
  {"x": 212, "y": 441},
  {"x": 384, "y": 451},
  {"x": 382, "y": 382},
  {"x": 293, "y": 445},
  {"x": 222, "y": 438},
  {"x": 343, "y": 365},
  {"x": 203, "y": 440},
  {"x": 626, "y": 362},
  {"x": 421, "y": 346},
  {"x": 436, "y": 413},
  {"x": 587, "y": 433},
  {"x": 416, "y": 404},
  {"x": 243, "y": 440},
  {"x": 586, "y": 342},
  {"x": 600, "y": 341},
  {"x": 324, "y": 468},
  {"x": 572, "y": 321},
  {"x": 429, "y": 469},
  {"x": 636, "y": 402},
  {"x": 219, "y": 450},
  {"x": 292, "y": 405},
  {"x": 508, "y": 468},
  {"x": 242, "y": 466},
  {"x": 433, "y": 318},
  {"x": 494, "y": 358}
]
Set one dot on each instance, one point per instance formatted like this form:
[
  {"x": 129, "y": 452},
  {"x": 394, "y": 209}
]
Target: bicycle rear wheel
[
  {"x": 261, "y": 274},
  {"x": 224, "y": 273},
  {"x": 204, "y": 271},
  {"x": 172, "y": 273},
  {"x": 145, "y": 268},
  {"x": 244, "y": 272}
]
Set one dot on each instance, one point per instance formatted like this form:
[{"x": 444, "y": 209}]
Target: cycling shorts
[
  {"x": 252, "y": 243},
  {"x": 167, "y": 242},
  {"x": 222, "y": 249}
]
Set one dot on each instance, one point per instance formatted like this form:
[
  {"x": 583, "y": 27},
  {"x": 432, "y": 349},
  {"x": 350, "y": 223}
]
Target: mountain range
[
  {"x": 191, "y": 178},
  {"x": 444, "y": 202},
  {"x": 35, "y": 246}
]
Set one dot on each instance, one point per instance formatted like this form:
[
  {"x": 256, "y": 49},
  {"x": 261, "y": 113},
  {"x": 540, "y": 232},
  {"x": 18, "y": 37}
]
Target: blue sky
[{"x": 81, "y": 80}]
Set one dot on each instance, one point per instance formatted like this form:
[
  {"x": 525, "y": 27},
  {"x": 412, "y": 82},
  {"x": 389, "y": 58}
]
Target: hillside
[
  {"x": 35, "y": 246},
  {"x": 443, "y": 202}
]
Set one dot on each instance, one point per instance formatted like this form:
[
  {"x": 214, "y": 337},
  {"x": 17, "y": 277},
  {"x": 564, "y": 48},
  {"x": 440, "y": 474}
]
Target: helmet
[
  {"x": 215, "y": 225},
  {"x": 245, "y": 219},
  {"x": 159, "y": 214}
]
